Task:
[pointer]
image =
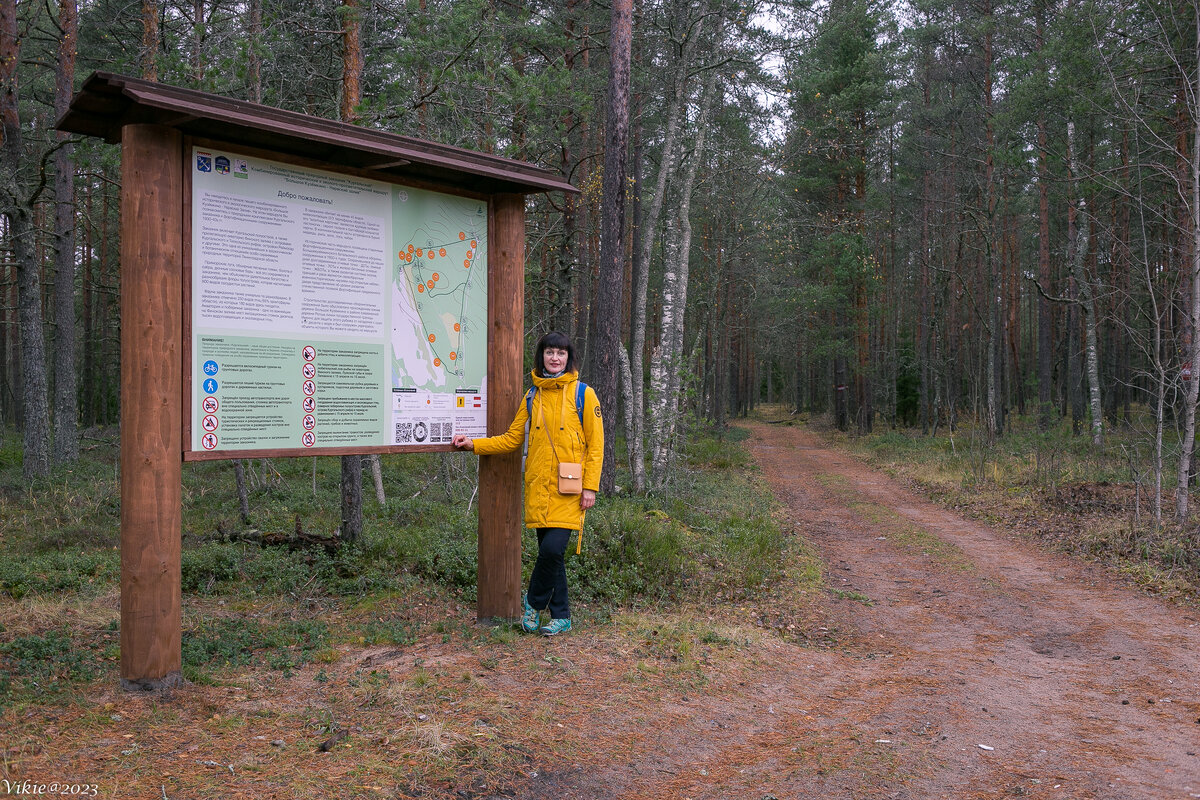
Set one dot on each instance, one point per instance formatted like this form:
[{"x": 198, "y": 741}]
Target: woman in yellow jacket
[{"x": 558, "y": 432}]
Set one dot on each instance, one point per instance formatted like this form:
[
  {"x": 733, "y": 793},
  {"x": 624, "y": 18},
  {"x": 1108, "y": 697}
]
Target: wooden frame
[{"x": 156, "y": 126}]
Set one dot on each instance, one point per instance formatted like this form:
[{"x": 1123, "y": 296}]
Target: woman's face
[{"x": 554, "y": 360}]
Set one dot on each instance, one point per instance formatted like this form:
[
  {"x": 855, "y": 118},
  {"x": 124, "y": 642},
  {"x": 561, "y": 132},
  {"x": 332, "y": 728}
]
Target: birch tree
[
  {"x": 668, "y": 163},
  {"x": 668, "y": 365},
  {"x": 1087, "y": 297}
]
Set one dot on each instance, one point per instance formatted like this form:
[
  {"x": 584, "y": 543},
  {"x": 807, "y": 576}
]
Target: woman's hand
[
  {"x": 463, "y": 442},
  {"x": 587, "y": 499}
]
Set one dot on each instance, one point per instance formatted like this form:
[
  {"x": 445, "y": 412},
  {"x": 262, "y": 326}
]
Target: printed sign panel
[{"x": 333, "y": 311}]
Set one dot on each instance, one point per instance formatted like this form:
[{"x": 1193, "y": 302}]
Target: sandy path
[{"x": 967, "y": 664}]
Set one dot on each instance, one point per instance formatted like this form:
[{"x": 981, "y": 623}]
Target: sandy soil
[{"x": 967, "y": 664}]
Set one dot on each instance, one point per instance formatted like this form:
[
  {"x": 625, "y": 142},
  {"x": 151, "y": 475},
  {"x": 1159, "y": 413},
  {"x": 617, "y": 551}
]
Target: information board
[{"x": 332, "y": 311}]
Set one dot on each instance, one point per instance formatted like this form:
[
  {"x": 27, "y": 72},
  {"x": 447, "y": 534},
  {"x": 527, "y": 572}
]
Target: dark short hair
[{"x": 559, "y": 341}]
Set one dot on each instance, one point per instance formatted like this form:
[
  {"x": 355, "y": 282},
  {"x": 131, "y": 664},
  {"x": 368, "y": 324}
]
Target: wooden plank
[
  {"x": 151, "y": 405},
  {"x": 500, "y": 511}
]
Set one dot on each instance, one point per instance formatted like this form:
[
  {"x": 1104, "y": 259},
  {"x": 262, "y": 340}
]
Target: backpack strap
[{"x": 580, "y": 390}]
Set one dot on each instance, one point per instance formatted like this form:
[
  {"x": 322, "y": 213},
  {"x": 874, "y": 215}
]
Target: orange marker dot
[
  {"x": 437, "y": 362},
  {"x": 432, "y": 337},
  {"x": 436, "y": 277},
  {"x": 429, "y": 284},
  {"x": 420, "y": 287},
  {"x": 431, "y": 255},
  {"x": 410, "y": 248},
  {"x": 453, "y": 355},
  {"x": 467, "y": 263},
  {"x": 420, "y": 252},
  {"x": 470, "y": 254},
  {"x": 474, "y": 244},
  {"x": 457, "y": 326},
  {"x": 461, "y": 236},
  {"x": 442, "y": 252}
]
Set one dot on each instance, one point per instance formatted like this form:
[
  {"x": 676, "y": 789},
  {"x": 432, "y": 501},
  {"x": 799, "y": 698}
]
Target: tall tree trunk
[
  {"x": 66, "y": 394},
  {"x": 606, "y": 316},
  {"x": 35, "y": 408},
  {"x": 668, "y": 163},
  {"x": 352, "y": 67},
  {"x": 924, "y": 318},
  {"x": 666, "y": 372},
  {"x": 254, "y": 44},
  {"x": 1086, "y": 294},
  {"x": 198, "y": 43},
  {"x": 995, "y": 399},
  {"x": 1045, "y": 328},
  {"x": 1193, "y": 387},
  {"x": 352, "y": 59},
  {"x": 149, "y": 54}
]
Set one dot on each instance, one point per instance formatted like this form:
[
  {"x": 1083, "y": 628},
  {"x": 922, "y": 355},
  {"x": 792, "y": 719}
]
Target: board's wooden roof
[{"x": 107, "y": 102}]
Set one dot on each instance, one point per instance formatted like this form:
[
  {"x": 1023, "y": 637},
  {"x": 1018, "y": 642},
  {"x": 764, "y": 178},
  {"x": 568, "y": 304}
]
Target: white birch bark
[
  {"x": 1087, "y": 298},
  {"x": 665, "y": 372},
  {"x": 635, "y": 401}
]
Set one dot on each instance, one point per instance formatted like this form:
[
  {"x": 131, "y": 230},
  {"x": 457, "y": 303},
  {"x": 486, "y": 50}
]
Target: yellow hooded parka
[{"x": 554, "y": 412}]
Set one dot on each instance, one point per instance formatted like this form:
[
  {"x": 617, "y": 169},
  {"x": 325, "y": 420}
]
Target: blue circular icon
[
  {"x": 210, "y": 368},
  {"x": 210, "y": 386}
]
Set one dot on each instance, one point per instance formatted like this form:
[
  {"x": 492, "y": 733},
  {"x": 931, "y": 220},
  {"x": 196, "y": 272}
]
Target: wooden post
[
  {"x": 151, "y": 405},
  {"x": 500, "y": 507}
]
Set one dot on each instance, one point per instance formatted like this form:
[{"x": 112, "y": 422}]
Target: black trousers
[{"x": 548, "y": 583}]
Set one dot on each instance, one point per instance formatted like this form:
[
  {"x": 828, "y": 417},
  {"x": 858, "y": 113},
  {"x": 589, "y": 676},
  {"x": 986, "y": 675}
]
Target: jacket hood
[{"x": 565, "y": 379}]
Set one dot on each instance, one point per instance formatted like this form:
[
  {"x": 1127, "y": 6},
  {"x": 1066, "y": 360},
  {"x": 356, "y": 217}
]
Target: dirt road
[{"x": 966, "y": 664}]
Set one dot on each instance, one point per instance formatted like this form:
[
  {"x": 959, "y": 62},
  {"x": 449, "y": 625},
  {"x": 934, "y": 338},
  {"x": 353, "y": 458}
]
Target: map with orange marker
[{"x": 438, "y": 316}]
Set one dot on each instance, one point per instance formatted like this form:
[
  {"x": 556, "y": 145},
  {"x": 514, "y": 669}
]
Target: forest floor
[{"x": 946, "y": 659}]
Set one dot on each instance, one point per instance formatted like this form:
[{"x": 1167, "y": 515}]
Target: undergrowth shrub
[
  {"x": 234, "y": 642},
  {"x": 43, "y": 573},
  {"x": 45, "y": 664}
]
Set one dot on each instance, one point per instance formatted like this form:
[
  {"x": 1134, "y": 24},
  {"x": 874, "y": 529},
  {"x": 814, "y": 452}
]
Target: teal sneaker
[
  {"x": 531, "y": 619},
  {"x": 556, "y": 627}
]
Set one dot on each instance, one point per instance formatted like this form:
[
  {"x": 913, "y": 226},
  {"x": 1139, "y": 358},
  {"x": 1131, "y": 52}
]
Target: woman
[{"x": 560, "y": 429}]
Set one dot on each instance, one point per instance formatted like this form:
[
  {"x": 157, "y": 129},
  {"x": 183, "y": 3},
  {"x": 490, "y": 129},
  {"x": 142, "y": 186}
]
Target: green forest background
[{"x": 920, "y": 215}]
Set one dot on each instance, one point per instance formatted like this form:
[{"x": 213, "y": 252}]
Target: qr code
[
  {"x": 441, "y": 432},
  {"x": 404, "y": 432}
]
